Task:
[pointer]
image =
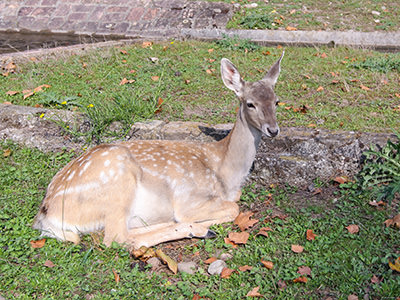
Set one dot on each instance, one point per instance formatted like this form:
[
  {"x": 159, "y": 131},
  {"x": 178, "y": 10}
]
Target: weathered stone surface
[
  {"x": 187, "y": 267},
  {"x": 216, "y": 267},
  {"x": 297, "y": 156}
]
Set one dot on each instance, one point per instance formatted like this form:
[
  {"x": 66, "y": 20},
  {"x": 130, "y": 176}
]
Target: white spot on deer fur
[
  {"x": 104, "y": 153},
  {"x": 103, "y": 177},
  {"x": 120, "y": 157},
  {"x": 71, "y": 176},
  {"x": 162, "y": 158},
  {"x": 169, "y": 162},
  {"x": 111, "y": 172},
  {"x": 107, "y": 163},
  {"x": 155, "y": 165}
]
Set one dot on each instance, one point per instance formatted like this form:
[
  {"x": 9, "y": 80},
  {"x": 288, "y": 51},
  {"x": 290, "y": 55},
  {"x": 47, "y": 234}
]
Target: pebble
[
  {"x": 154, "y": 262},
  {"x": 376, "y": 13},
  {"x": 225, "y": 256},
  {"x": 216, "y": 267},
  {"x": 252, "y": 5},
  {"x": 187, "y": 267}
]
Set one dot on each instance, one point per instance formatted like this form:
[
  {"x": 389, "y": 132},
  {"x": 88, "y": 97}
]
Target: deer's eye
[{"x": 250, "y": 105}]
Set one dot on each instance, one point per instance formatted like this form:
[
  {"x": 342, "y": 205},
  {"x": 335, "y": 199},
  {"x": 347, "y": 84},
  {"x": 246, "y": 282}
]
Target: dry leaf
[
  {"x": 312, "y": 125},
  {"x": 210, "y": 260},
  {"x": 226, "y": 272},
  {"x": 341, "y": 179},
  {"x": 229, "y": 242},
  {"x": 352, "y": 297},
  {"x": 269, "y": 53},
  {"x": 125, "y": 81},
  {"x": 147, "y": 44},
  {"x": 187, "y": 81},
  {"x": 210, "y": 50},
  {"x": 365, "y": 88},
  {"x": 245, "y": 268},
  {"x": 310, "y": 235},
  {"x": 123, "y": 52},
  {"x": 116, "y": 276},
  {"x": 7, "y": 102},
  {"x": 396, "y": 221},
  {"x": 297, "y": 248},
  {"x": 304, "y": 270},
  {"x": 243, "y": 220},
  {"x": 159, "y": 104},
  {"x": 208, "y": 71},
  {"x": 397, "y": 95},
  {"x": 28, "y": 95},
  {"x": 376, "y": 204},
  {"x": 5, "y": 74},
  {"x": 302, "y": 279},
  {"x": 375, "y": 279},
  {"x": 172, "y": 265},
  {"x": 264, "y": 231},
  {"x": 282, "y": 284},
  {"x": 388, "y": 222},
  {"x": 396, "y": 265},
  {"x": 38, "y": 243},
  {"x": 10, "y": 66},
  {"x": 11, "y": 93},
  {"x": 155, "y": 78},
  {"x": 49, "y": 264},
  {"x": 41, "y": 87},
  {"x": 290, "y": 28},
  {"x": 320, "y": 88},
  {"x": 268, "y": 264},
  {"x": 139, "y": 252},
  {"x": 196, "y": 297},
  {"x": 323, "y": 55},
  {"x": 239, "y": 237},
  {"x": 254, "y": 293},
  {"x": 353, "y": 228}
]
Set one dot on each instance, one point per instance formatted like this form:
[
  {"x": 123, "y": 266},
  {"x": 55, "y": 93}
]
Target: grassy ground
[
  {"x": 318, "y": 15},
  {"x": 333, "y": 88},
  {"x": 341, "y": 263}
]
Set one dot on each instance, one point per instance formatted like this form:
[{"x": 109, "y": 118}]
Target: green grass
[
  {"x": 190, "y": 86},
  {"x": 341, "y": 263},
  {"x": 318, "y": 15}
]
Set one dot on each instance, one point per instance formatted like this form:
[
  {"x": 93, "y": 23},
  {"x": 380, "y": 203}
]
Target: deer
[{"x": 146, "y": 192}]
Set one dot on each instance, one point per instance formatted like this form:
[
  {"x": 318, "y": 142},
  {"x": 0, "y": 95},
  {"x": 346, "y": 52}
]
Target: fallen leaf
[
  {"x": 317, "y": 190},
  {"x": 49, "y": 264},
  {"x": 187, "y": 81},
  {"x": 264, "y": 231},
  {"x": 172, "y": 265},
  {"x": 388, "y": 222},
  {"x": 254, "y": 293},
  {"x": 312, "y": 125},
  {"x": 41, "y": 87},
  {"x": 245, "y": 268},
  {"x": 341, "y": 179},
  {"x": 365, "y": 88},
  {"x": 239, "y": 237},
  {"x": 147, "y": 44},
  {"x": 123, "y": 52},
  {"x": 132, "y": 71},
  {"x": 125, "y": 81},
  {"x": 154, "y": 59},
  {"x": 268, "y": 264},
  {"x": 396, "y": 265},
  {"x": 229, "y": 242},
  {"x": 279, "y": 47},
  {"x": 159, "y": 104},
  {"x": 353, "y": 228},
  {"x": 375, "y": 279},
  {"x": 226, "y": 272},
  {"x": 297, "y": 248},
  {"x": 210, "y": 260},
  {"x": 210, "y": 50},
  {"x": 266, "y": 53},
  {"x": 116, "y": 276},
  {"x": 155, "y": 78},
  {"x": 304, "y": 270},
  {"x": 38, "y": 243},
  {"x": 196, "y": 297},
  {"x": 84, "y": 65},
  {"x": 139, "y": 252},
  {"x": 396, "y": 220},
  {"x": 352, "y": 297},
  {"x": 5, "y": 74},
  {"x": 310, "y": 235},
  {"x": 281, "y": 284},
  {"x": 10, "y": 66},
  {"x": 290, "y": 28},
  {"x": 243, "y": 220},
  {"x": 302, "y": 279},
  {"x": 7, "y": 102},
  {"x": 320, "y": 89},
  {"x": 397, "y": 95},
  {"x": 28, "y": 95},
  {"x": 376, "y": 204},
  {"x": 323, "y": 55}
]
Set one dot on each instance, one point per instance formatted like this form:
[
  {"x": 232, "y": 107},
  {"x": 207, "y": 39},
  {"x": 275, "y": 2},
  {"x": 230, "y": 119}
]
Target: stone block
[
  {"x": 150, "y": 14},
  {"x": 135, "y": 14},
  {"x": 43, "y": 11},
  {"x": 25, "y": 11},
  {"x": 77, "y": 16},
  {"x": 49, "y": 2},
  {"x": 62, "y": 10},
  {"x": 82, "y": 8},
  {"x": 56, "y": 23}
]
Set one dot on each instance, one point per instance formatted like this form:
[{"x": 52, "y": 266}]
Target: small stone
[
  {"x": 377, "y": 21},
  {"x": 225, "y": 256},
  {"x": 187, "y": 267},
  {"x": 154, "y": 262},
  {"x": 216, "y": 267},
  {"x": 177, "y": 73},
  {"x": 217, "y": 10},
  {"x": 252, "y": 5},
  {"x": 376, "y": 13}
]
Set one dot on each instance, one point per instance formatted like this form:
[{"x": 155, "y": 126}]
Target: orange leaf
[
  {"x": 352, "y": 297},
  {"x": 341, "y": 179},
  {"x": 210, "y": 260},
  {"x": 320, "y": 88},
  {"x": 155, "y": 78},
  {"x": 376, "y": 204},
  {"x": 335, "y": 81},
  {"x": 38, "y": 243},
  {"x": 172, "y": 265},
  {"x": 264, "y": 231},
  {"x": 49, "y": 264},
  {"x": 196, "y": 297},
  {"x": 40, "y": 88},
  {"x": 5, "y": 74},
  {"x": 290, "y": 28},
  {"x": 210, "y": 50},
  {"x": 226, "y": 272},
  {"x": 397, "y": 95},
  {"x": 396, "y": 265},
  {"x": 12, "y": 93},
  {"x": 302, "y": 279},
  {"x": 297, "y": 248},
  {"x": 245, "y": 268},
  {"x": 254, "y": 293},
  {"x": 116, "y": 276},
  {"x": 239, "y": 237},
  {"x": 375, "y": 279},
  {"x": 7, "y": 153},
  {"x": 365, "y": 88},
  {"x": 304, "y": 270},
  {"x": 312, "y": 125},
  {"x": 159, "y": 103},
  {"x": 323, "y": 55},
  {"x": 310, "y": 235},
  {"x": 229, "y": 242},
  {"x": 268, "y": 264},
  {"x": 123, "y": 52},
  {"x": 266, "y": 53},
  {"x": 7, "y": 102},
  {"x": 243, "y": 220},
  {"x": 147, "y": 44},
  {"x": 353, "y": 228},
  {"x": 125, "y": 81},
  {"x": 388, "y": 222}
]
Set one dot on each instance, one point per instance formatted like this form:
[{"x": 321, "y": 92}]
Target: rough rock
[
  {"x": 187, "y": 267},
  {"x": 216, "y": 267},
  {"x": 154, "y": 262},
  {"x": 225, "y": 256}
]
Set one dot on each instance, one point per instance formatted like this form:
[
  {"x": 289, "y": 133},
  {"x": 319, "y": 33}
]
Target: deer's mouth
[{"x": 270, "y": 131}]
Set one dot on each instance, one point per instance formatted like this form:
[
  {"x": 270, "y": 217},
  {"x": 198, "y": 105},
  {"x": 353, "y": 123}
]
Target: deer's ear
[
  {"x": 231, "y": 77},
  {"x": 272, "y": 76}
]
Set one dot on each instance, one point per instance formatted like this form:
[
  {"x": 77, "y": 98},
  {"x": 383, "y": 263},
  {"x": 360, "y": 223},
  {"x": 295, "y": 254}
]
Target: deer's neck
[{"x": 239, "y": 150}]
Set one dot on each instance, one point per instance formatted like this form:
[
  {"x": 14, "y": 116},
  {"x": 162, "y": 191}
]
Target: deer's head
[{"x": 257, "y": 99}]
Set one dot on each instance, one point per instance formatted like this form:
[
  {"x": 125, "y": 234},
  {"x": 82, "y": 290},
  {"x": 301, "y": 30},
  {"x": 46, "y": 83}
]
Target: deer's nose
[{"x": 273, "y": 133}]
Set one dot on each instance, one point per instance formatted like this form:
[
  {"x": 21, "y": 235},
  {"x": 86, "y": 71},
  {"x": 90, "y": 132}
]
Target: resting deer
[{"x": 143, "y": 193}]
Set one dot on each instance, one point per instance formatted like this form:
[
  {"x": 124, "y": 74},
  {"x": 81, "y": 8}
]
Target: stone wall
[{"x": 297, "y": 156}]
